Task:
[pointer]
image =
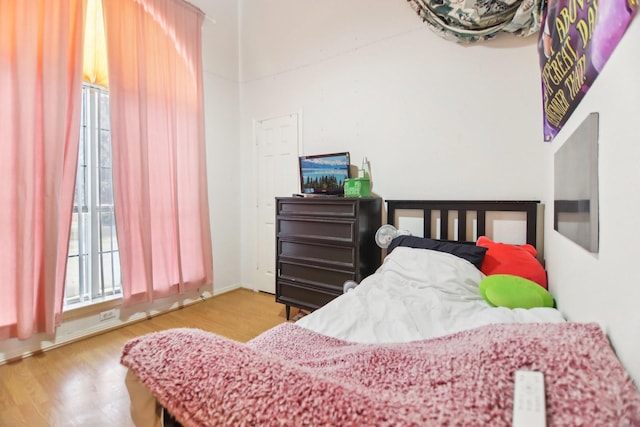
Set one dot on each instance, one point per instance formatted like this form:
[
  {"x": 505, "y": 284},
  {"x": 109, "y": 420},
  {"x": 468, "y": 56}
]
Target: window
[{"x": 93, "y": 266}]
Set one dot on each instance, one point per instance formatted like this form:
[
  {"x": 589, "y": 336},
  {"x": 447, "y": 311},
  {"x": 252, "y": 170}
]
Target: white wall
[
  {"x": 603, "y": 287},
  {"x": 435, "y": 119},
  {"x": 443, "y": 121},
  {"x": 222, "y": 112}
]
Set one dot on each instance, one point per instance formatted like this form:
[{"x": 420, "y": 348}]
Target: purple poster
[{"x": 576, "y": 40}]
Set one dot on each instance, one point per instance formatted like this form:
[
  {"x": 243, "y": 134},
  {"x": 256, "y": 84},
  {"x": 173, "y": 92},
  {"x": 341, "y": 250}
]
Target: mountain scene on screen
[{"x": 324, "y": 174}]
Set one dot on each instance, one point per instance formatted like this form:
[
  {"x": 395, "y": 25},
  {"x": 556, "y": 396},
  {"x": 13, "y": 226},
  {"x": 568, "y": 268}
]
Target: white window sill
[{"x": 97, "y": 305}]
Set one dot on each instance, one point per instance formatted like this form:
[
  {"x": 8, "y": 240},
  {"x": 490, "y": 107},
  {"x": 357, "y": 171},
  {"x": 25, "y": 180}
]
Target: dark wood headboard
[{"x": 480, "y": 207}]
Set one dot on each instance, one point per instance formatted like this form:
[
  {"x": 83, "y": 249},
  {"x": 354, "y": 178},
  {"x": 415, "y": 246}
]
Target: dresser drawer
[
  {"x": 329, "y": 278},
  {"x": 321, "y": 242},
  {"x": 336, "y": 256},
  {"x": 303, "y": 296},
  {"x": 309, "y": 207},
  {"x": 336, "y": 230}
]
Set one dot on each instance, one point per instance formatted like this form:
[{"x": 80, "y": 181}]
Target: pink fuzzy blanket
[{"x": 292, "y": 376}]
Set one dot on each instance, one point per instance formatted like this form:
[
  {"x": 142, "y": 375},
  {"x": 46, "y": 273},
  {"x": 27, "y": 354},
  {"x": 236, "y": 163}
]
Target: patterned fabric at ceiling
[{"x": 470, "y": 21}]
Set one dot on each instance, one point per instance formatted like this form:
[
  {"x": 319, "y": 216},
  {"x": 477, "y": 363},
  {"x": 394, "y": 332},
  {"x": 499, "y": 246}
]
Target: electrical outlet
[{"x": 109, "y": 314}]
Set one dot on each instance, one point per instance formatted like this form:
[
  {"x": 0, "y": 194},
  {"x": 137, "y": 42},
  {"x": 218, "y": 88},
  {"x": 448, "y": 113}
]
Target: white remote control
[{"x": 528, "y": 400}]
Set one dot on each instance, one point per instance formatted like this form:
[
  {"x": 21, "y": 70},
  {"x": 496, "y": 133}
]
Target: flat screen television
[{"x": 324, "y": 173}]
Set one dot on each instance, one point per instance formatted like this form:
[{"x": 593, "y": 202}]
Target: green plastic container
[{"x": 357, "y": 187}]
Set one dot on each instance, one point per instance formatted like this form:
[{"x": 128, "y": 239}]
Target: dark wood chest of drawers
[{"x": 320, "y": 244}]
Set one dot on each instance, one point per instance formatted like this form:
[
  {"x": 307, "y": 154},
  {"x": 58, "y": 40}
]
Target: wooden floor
[{"x": 82, "y": 384}]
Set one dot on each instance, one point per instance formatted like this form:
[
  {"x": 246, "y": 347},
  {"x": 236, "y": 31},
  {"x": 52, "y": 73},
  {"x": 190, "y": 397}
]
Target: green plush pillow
[{"x": 506, "y": 290}]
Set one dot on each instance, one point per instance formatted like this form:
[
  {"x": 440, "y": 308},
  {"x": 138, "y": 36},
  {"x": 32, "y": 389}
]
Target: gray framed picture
[{"x": 576, "y": 186}]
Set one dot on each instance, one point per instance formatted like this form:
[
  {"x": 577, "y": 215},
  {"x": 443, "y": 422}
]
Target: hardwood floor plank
[{"x": 82, "y": 384}]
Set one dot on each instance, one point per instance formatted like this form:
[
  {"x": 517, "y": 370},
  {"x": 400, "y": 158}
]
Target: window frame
[{"x": 97, "y": 255}]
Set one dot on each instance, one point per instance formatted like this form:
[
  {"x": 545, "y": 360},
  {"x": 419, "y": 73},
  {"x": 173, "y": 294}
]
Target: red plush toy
[{"x": 518, "y": 260}]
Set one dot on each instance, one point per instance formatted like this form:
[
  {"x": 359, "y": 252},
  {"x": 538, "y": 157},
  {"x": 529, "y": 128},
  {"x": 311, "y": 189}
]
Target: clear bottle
[{"x": 364, "y": 170}]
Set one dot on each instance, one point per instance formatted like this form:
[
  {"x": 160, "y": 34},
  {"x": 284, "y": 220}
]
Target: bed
[{"x": 420, "y": 342}]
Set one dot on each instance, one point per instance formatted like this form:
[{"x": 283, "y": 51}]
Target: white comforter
[{"x": 415, "y": 294}]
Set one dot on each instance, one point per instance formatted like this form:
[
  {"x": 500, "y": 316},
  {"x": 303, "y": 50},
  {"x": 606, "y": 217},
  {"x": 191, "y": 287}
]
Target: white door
[{"x": 278, "y": 175}]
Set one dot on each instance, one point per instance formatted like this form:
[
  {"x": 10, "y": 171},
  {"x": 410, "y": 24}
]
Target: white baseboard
[{"x": 89, "y": 325}]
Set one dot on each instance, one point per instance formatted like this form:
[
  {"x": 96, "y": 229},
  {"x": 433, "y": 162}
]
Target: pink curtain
[
  {"x": 40, "y": 84},
  {"x": 157, "y": 127}
]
